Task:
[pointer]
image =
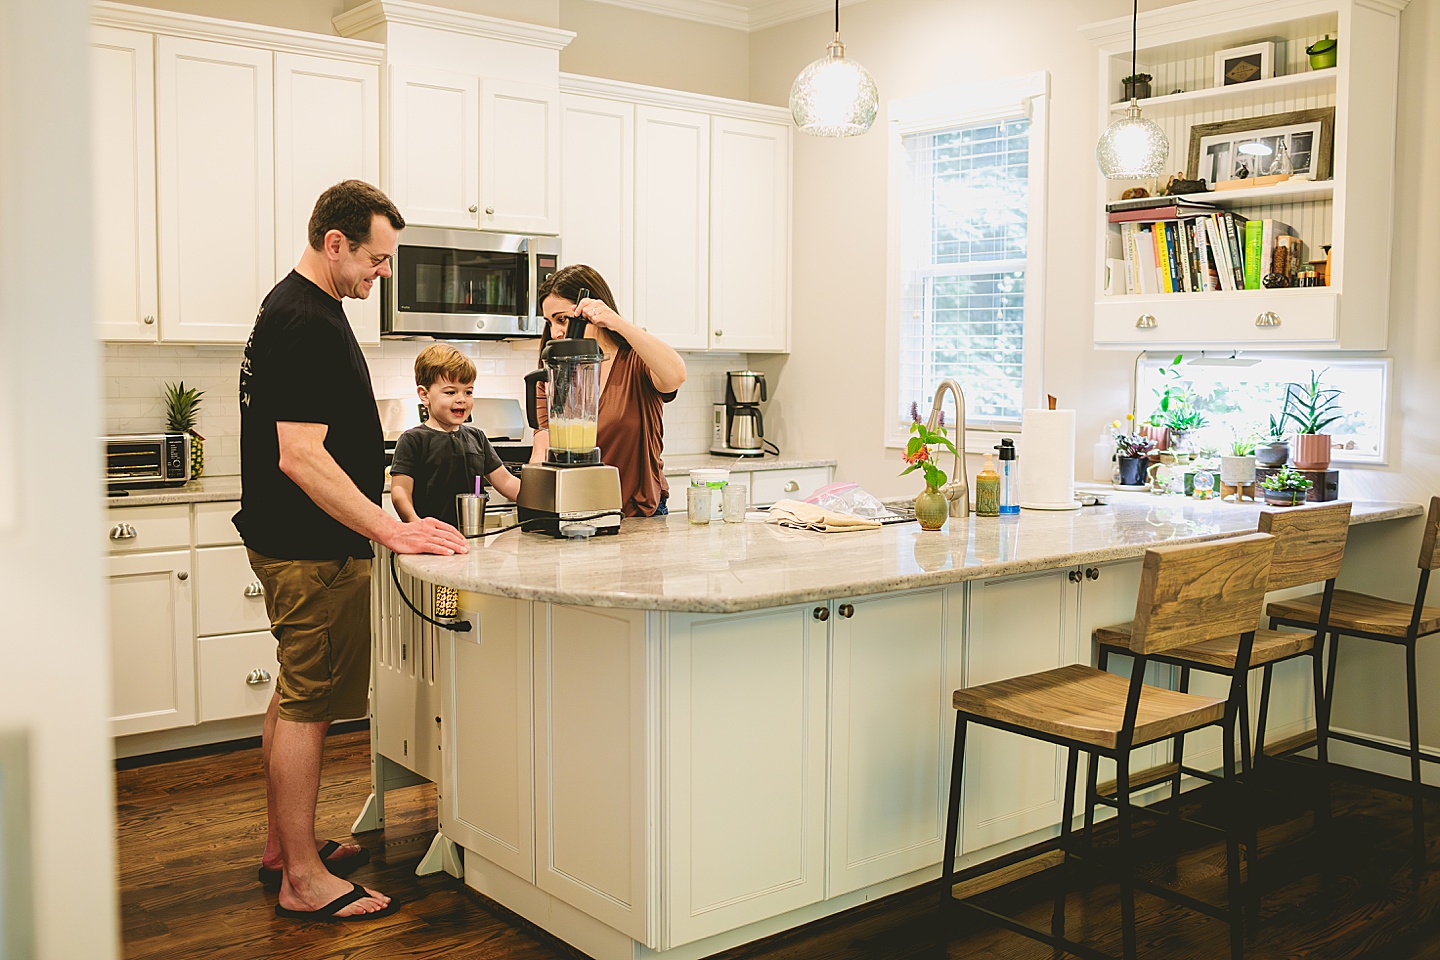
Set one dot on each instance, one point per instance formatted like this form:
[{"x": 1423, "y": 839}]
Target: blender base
[{"x": 557, "y": 496}]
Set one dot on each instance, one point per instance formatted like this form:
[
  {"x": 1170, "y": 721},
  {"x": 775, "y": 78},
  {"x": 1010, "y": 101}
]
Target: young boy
[{"x": 444, "y": 455}]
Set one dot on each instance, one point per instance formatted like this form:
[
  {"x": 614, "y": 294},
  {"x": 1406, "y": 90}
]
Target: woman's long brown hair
[{"x": 567, "y": 282}]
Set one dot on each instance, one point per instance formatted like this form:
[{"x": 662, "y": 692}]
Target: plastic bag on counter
[{"x": 848, "y": 497}]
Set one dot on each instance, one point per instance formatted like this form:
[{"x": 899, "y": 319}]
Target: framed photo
[
  {"x": 1254, "y": 61},
  {"x": 1307, "y": 135}
]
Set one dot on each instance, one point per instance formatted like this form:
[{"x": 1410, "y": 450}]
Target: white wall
[{"x": 54, "y": 634}]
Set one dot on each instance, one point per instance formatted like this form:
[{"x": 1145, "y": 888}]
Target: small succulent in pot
[
  {"x": 1238, "y": 467},
  {"x": 1273, "y": 450},
  {"x": 1310, "y": 408},
  {"x": 1136, "y": 86},
  {"x": 1286, "y": 488}
]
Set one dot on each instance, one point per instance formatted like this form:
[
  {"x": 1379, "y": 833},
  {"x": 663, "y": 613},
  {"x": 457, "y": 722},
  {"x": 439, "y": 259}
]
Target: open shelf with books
[{"x": 1191, "y": 273}]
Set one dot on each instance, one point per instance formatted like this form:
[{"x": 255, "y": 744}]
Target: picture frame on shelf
[
  {"x": 1309, "y": 137},
  {"x": 1254, "y": 61}
]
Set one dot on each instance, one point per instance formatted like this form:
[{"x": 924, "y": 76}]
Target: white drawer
[
  {"x": 1306, "y": 318},
  {"x": 212, "y": 523},
  {"x": 767, "y": 486},
  {"x": 227, "y": 593},
  {"x": 162, "y": 527},
  {"x": 227, "y": 665}
]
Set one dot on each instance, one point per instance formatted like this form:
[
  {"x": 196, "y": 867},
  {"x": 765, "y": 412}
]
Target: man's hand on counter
[{"x": 426, "y": 535}]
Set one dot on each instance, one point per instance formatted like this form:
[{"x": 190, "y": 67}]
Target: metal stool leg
[
  {"x": 1417, "y": 785},
  {"x": 1262, "y": 715},
  {"x": 1177, "y": 749},
  {"x": 952, "y": 816},
  {"x": 1232, "y": 843},
  {"x": 1057, "y": 916},
  {"x": 1127, "y": 884}
]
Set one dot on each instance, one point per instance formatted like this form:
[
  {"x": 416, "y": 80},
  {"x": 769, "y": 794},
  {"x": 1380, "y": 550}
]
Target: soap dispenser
[
  {"x": 987, "y": 490},
  {"x": 1009, "y": 479}
]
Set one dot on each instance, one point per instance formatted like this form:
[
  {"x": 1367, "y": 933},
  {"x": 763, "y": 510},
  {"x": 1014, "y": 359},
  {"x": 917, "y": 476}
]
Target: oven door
[{"x": 450, "y": 283}]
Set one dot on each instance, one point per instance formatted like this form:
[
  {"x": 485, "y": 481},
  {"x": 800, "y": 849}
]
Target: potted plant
[
  {"x": 1275, "y": 450},
  {"x": 931, "y": 508},
  {"x": 1169, "y": 399},
  {"x": 1131, "y": 454},
  {"x": 1238, "y": 467},
  {"x": 1136, "y": 86},
  {"x": 1311, "y": 408},
  {"x": 1285, "y": 488},
  {"x": 182, "y": 409}
]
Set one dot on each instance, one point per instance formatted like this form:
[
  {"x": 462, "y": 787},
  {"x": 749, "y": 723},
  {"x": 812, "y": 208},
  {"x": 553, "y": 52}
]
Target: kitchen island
[{"x": 683, "y": 738}]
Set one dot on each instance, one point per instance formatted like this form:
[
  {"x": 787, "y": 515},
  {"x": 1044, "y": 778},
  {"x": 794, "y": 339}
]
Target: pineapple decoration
[{"x": 182, "y": 408}]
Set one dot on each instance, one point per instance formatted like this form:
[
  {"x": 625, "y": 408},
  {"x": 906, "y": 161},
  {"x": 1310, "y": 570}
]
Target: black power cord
[{"x": 464, "y": 626}]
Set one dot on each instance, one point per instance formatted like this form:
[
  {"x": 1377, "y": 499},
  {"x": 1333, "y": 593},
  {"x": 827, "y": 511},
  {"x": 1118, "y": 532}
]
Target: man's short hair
[
  {"x": 351, "y": 207},
  {"x": 440, "y": 361}
]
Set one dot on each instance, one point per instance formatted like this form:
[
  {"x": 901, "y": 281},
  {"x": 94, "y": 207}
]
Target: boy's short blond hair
[{"x": 440, "y": 361}]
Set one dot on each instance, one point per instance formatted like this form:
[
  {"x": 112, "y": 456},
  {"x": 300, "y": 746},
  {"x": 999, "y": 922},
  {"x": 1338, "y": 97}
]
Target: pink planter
[{"x": 1312, "y": 451}]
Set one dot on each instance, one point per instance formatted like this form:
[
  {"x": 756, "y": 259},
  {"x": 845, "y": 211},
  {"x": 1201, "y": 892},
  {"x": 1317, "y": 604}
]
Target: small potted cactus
[{"x": 182, "y": 410}]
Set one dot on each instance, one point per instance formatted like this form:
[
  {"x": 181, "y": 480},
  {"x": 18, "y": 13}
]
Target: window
[
  {"x": 1237, "y": 398},
  {"x": 967, "y": 184}
]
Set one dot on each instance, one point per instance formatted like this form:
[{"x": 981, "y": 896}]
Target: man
[{"x": 312, "y": 472}]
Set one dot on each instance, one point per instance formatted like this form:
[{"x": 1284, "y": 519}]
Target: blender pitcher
[{"x": 573, "y": 368}]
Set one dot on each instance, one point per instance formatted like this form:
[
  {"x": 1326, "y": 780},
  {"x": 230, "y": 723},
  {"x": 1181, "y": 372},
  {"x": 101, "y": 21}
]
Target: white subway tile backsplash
[{"x": 135, "y": 376}]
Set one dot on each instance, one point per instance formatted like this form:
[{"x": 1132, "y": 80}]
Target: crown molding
[
  {"x": 749, "y": 17},
  {"x": 103, "y": 13},
  {"x": 643, "y": 95},
  {"x": 1182, "y": 20},
  {"x": 380, "y": 12}
]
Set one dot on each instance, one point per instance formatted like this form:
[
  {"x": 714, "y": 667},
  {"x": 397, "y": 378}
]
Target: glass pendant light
[
  {"x": 834, "y": 97},
  {"x": 1132, "y": 148}
]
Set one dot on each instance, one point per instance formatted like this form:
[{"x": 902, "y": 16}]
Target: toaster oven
[{"x": 147, "y": 460}]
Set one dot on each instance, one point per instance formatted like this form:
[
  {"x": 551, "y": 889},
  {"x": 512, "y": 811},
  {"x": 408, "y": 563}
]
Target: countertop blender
[{"x": 571, "y": 494}]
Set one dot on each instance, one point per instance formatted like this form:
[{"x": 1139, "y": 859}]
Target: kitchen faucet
[{"x": 957, "y": 491}]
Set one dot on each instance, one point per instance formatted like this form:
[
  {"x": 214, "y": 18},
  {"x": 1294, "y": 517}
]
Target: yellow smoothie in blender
[{"x": 573, "y": 436}]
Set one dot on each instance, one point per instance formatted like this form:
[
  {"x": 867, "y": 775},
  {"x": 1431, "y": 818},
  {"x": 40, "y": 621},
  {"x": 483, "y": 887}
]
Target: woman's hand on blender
[{"x": 600, "y": 314}]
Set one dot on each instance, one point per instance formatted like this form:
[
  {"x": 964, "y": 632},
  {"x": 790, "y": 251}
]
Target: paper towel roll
[{"x": 1047, "y": 460}]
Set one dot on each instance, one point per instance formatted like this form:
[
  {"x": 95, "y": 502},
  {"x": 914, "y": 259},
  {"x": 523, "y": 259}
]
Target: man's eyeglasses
[{"x": 376, "y": 261}]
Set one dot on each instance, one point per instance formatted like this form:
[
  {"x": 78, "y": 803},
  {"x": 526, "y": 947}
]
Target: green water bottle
[{"x": 987, "y": 490}]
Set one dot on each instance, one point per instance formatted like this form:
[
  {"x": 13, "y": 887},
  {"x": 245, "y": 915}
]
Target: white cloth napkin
[{"x": 808, "y": 516}]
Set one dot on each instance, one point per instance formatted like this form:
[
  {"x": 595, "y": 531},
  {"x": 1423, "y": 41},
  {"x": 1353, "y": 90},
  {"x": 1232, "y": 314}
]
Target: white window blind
[{"x": 965, "y": 229}]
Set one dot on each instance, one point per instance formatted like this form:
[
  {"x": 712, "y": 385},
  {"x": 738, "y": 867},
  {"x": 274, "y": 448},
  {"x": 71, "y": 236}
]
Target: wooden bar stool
[
  {"x": 1360, "y": 615},
  {"x": 1309, "y": 546},
  {"x": 1188, "y": 594}
]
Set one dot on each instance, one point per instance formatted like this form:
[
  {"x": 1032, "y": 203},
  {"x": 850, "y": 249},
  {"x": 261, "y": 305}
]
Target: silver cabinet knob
[
  {"x": 474, "y": 208},
  {"x": 1073, "y": 576},
  {"x": 258, "y": 677},
  {"x": 149, "y": 320},
  {"x": 821, "y": 613},
  {"x": 1146, "y": 321},
  {"x": 183, "y": 575},
  {"x": 490, "y": 211},
  {"x": 1092, "y": 573},
  {"x": 122, "y": 531},
  {"x": 719, "y": 334},
  {"x": 255, "y": 589},
  {"x": 792, "y": 486},
  {"x": 847, "y": 610},
  {"x": 1268, "y": 319}
]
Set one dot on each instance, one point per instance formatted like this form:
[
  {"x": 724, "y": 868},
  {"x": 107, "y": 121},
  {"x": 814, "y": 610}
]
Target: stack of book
[{"x": 1172, "y": 245}]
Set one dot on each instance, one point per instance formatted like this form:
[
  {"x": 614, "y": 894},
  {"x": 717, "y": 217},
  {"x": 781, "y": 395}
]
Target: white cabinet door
[
  {"x": 743, "y": 778},
  {"x": 216, "y": 166},
  {"x": 1015, "y": 626},
  {"x": 230, "y": 598},
  {"x": 327, "y": 129},
  {"x": 594, "y": 821},
  {"x": 519, "y": 157},
  {"x": 597, "y": 191},
  {"x": 894, "y": 661},
  {"x": 486, "y": 799},
  {"x": 152, "y": 642},
  {"x": 122, "y": 84},
  {"x": 672, "y": 225},
  {"x": 749, "y": 235},
  {"x": 237, "y": 674},
  {"x": 434, "y": 143}
]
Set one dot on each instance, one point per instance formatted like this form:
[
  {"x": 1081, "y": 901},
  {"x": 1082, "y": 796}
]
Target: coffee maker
[
  {"x": 572, "y": 493},
  {"x": 738, "y": 429}
]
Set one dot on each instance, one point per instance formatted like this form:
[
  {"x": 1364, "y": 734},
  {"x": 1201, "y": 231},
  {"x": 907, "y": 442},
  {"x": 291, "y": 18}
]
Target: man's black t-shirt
[
  {"x": 443, "y": 464},
  {"x": 303, "y": 364}
]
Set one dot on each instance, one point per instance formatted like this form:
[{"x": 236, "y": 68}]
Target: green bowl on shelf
[{"x": 1322, "y": 53}]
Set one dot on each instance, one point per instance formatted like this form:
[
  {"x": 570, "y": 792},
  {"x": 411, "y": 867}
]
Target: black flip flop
[
  {"x": 327, "y": 913},
  {"x": 343, "y": 866}
]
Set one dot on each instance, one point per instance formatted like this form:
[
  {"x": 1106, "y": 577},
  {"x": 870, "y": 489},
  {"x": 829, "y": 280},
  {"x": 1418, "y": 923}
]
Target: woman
[{"x": 638, "y": 376}]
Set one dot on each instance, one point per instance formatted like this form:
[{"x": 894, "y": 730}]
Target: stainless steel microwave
[
  {"x": 147, "y": 459},
  {"x": 466, "y": 284}
]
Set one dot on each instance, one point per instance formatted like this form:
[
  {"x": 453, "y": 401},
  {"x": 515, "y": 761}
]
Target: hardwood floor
[{"x": 190, "y": 833}]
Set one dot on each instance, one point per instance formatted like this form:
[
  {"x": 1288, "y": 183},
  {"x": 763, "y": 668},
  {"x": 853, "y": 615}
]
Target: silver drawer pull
[
  {"x": 122, "y": 531},
  {"x": 1146, "y": 321},
  {"x": 257, "y": 677},
  {"x": 791, "y": 486},
  {"x": 254, "y": 589},
  {"x": 1268, "y": 319}
]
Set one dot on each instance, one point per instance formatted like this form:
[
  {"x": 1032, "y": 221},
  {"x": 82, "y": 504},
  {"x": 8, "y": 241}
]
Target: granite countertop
[
  {"x": 682, "y": 464},
  {"x": 204, "y": 490},
  {"x": 669, "y": 564}
]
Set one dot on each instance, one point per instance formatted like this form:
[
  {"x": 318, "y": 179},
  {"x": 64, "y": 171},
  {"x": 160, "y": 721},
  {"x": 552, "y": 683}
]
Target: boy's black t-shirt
[
  {"x": 303, "y": 364},
  {"x": 443, "y": 464}
]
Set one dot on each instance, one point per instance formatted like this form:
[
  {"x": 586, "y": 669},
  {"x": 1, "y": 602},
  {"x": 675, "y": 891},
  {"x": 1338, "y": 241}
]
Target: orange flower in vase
[{"x": 931, "y": 508}]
